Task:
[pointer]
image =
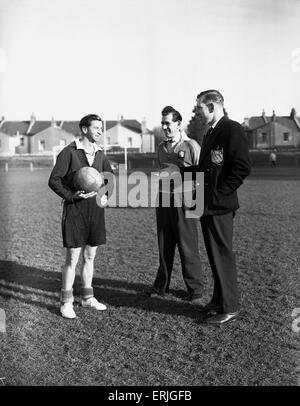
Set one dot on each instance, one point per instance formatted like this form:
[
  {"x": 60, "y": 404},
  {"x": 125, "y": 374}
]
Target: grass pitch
[{"x": 142, "y": 341}]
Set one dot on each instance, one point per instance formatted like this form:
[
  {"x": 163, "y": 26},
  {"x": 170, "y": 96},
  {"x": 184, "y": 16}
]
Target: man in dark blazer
[{"x": 225, "y": 161}]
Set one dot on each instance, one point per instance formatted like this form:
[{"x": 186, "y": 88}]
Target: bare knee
[
  {"x": 89, "y": 254},
  {"x": 88, "y": 257},
  {"x": 72, "y": 256}
]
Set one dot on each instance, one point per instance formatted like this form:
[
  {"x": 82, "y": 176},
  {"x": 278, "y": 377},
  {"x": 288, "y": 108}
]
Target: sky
[{"x": 68, "y": 58}]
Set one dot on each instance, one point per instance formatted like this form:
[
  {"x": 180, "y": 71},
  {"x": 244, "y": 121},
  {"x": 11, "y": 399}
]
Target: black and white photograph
[{"x": 150, "y": 196}]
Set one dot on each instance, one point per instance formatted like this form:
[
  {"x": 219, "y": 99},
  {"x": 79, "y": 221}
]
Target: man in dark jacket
[{"x": 224, "y": 159}]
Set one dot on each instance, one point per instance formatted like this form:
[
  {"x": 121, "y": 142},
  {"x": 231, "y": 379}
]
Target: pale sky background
[{"x": 67, "y": 58}]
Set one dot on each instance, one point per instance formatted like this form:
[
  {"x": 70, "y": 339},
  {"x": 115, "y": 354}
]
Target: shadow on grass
[{"x": 42, "y": 288}]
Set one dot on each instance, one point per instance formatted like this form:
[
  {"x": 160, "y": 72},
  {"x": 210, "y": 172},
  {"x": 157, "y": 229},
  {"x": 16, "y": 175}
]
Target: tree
[
  {"x": 158, "y": 136},
  {"x": 196, "y": 129}
]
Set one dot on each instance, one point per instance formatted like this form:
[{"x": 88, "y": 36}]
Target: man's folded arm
[{"x": 58, "y": 172}]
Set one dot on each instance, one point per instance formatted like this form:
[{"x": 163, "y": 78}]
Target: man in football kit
[
  {"x": 174, "y": 228},
  {"x": 83, "y": 223}
]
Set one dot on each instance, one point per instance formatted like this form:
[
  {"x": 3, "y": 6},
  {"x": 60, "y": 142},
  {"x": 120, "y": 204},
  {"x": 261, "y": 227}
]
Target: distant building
[
  {"x": 12, "y": 135},
  {"x": 130, "y": 134},
  {"x": 39, "y": 137},
  {"x": 266, "y": 132},
  {"x": 32, "y": 137}
]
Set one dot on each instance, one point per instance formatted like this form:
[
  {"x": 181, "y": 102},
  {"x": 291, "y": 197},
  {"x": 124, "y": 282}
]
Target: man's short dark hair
[
  {"x": 86, "y": 120},
  {"x": 176, "y": 116},
  {"x": 211, "y": 96}
]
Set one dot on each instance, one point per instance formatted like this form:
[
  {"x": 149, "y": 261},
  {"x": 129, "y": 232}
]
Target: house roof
[
  {"x": 12, "y": 127},
  {"x": 132, "y": 125},
  {"x": 286, "y": 121},
  {"x": 39, "y": 126},
  {"x": 273, "y": 124},
  {"x": 71, "y": 127},
  {"x": 24, "y": 127},
  {"x": 256, "y": 121}
]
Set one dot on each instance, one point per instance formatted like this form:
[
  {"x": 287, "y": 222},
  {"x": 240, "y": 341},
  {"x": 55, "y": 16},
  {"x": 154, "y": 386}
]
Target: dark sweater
[{"x": 68, "y": 162}]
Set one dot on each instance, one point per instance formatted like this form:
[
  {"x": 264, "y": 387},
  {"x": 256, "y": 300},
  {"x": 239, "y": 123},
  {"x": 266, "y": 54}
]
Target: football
[{"x": 88, "y": 179}]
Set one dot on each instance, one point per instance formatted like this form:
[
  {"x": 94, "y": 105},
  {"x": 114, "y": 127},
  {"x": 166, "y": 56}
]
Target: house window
[
  {"x": 62, "y": 142},
  {"x": 130, "y": 141},
  {"x": 264, "y": 137},
  {"x": 286, "y": 137},
  {"x": 22, "y": 141},
  {"x": 108, "y": 140},
  {"x": 41, "y": 145}
]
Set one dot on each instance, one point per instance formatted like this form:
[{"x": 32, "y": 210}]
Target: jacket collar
[{"x": 205, "y": 151}]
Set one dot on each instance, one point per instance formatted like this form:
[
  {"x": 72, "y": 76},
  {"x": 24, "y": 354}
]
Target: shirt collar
[
  {"x": 214, "y": 124},
  {"x": 183, "y": 137},
  {"x": 79, "y": 145}
]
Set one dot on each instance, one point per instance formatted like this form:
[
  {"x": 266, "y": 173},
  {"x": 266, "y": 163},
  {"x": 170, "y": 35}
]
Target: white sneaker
[
  {"x": 93, "y": 303},
  {"x": 67, "y": 311}
]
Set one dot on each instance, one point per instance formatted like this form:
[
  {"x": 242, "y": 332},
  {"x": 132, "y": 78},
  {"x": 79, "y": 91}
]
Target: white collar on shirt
[
  {"x": 183, "y": 137},
  {"x": 214, "y": 124},
  {"x": 79, "y": 145}
]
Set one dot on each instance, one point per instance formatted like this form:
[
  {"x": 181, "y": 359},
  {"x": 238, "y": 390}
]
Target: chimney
[
  {"x": 143, "y": 133},
  {"x": 32, "y": 121},
  {"x": 263, "y": 114},
  {"x": 144, "y": 126},
  {"x": 273, "y": 116},
  {"x": 246, "y": 122},
  {"x": 294, "y": 117},
  {"x": 293, "y": 113},
  {"x": 32, "y": 118}
]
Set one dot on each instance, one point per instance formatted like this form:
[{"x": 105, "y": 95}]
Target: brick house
[{"x": 268, "y": 132}]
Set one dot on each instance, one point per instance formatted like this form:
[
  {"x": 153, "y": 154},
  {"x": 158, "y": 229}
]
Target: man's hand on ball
[
  {"x": 80, "y": 194},
  {"x": 89, "y": 195}
]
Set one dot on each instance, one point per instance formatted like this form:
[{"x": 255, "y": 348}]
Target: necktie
[
  {"x": 205, "y": 138},
  {"x": 168, "y": 144}
]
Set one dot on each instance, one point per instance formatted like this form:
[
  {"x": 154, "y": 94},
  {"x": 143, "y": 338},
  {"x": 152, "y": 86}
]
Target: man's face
[
  {"x": 203, "y": 111},
  {"x": 94, "y": 131},
  {"x": 170, "y": 127}
]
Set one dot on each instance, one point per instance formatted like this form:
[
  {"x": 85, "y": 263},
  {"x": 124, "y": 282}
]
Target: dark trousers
[
  {"x": 218, "y": 235},
  {"x": 173, "y": 228}
]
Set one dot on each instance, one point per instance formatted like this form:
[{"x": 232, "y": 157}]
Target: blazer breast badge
[{"x": 217, "y": 156}]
